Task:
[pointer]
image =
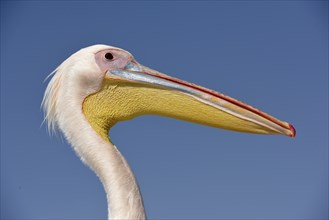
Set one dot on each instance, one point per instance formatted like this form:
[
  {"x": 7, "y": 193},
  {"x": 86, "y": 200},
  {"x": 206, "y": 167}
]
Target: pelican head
[
  {"x": 101, "y": 85},
  {"x": 108, "y": 85}
]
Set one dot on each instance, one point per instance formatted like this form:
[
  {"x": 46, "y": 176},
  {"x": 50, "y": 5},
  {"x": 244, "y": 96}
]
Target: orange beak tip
[{"x": 293, "y": 131}]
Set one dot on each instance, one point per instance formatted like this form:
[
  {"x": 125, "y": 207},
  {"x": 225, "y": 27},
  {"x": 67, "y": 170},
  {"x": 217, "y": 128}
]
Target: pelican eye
[{"x": 109, "y": 56}]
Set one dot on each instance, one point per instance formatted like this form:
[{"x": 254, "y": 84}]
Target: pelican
[{"x": 101, "y": 85}]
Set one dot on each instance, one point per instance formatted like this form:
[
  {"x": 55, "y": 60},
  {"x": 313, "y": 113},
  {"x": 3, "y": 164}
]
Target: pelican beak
[{"x": 137, "y": 90}]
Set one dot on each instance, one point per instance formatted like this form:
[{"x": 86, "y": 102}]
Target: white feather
[{"x": 75, "y": 79}]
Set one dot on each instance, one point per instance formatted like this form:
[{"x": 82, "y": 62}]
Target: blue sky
[{"x": 270, "y": 54}]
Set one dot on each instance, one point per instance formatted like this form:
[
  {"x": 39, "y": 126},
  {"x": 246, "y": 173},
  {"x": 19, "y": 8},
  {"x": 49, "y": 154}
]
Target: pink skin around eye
[{"x": 120, "y": 59}]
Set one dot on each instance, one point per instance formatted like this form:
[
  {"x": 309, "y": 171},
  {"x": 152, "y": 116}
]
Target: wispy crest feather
[{"x": 49, "y": 99}]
